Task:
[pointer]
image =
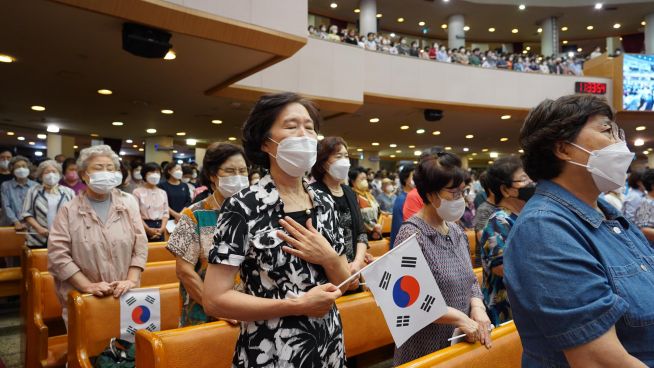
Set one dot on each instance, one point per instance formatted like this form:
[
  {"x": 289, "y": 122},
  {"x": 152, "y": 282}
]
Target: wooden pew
[
  {"x": 379, "y": 247},
  {"x": 385, "y": 220},
  {"x": 11, "y": 245},
  {"x": 479, "y": 272},
  {"x": 43, "y": 309},
  {"x": 472, "y": 241},
  {"x": 364, "y": 330},
  {"x": 505, "y": 353},
  {"x": 92, "y": 322}
]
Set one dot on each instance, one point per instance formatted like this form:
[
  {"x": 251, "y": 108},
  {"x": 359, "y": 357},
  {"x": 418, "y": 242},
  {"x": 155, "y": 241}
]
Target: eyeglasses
[
  {"x": 233, "y": 171},
  {"x": 458, "y": 194},
  {"x": 524, "y": 180}
]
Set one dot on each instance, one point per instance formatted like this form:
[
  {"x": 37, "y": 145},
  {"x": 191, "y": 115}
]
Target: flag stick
[
  {"x": 25, "y": 233},
  {"x": 356, "y": 274},
  {"x": 491, "y": 328}
]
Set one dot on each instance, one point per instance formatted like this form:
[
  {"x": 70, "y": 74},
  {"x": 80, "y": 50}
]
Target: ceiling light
[
  {"x": 466, "y": 28},
  {"x": 21, "y": 138},
  {"x": 231, "y": 139},
  {"x": 448, "y": 148},
  {"x": 167, "y": 111},
  {"x": 484, "y": 150},
  {"x": 504, "y": 139},
  {"x": 514, "y": 30},
  {"x": 105, "y": 92},
  {"x": 444, "y": 26},
  {"x": 490, "y": 162},
  {"x": 565, "y": 42},
  {"x": 522, "y": 7},
  {"x": 579, "y": 49},
  {"x": 639, "y": 142},
  {"x": 494, "y": 155},
  {"x": 539, "y": 30},
  {"x": 180, "y": 134},
  {"x": 563, "y": 29},
  {"x": 617, "y": 25},
  {"x": 466, "y": 149},
  {"x": 31, "y": 143},
  {"x": 38, "y": 108},
  {"x": 94, "y": 135},
  {"x": 417, "y": 153},
  {"x": 646, "y": 152},
  {"x": 170, "y": 55},
  {"x": 129, "y": 141},
  {"x": 38, "y": 153},
  {"x": 122, "y": 153},
  {"x": 446, "y": 1},
  {"x": 117, "y": 123},
  {"x": 191, "y": 142},
  {"x": 374, "y": 120},
  {"x": 505, "y": 117},
  {"x": 528, "y": 48},
  {"x": 404, "y": 127},
  {"x": 643, "y": 23},
  {"x": 10, "y": 133},
  {"x": 151, "y": 131},
  {"x": 52, "y": 128},
  {"x": 598, "y": 6},
  {"x": 359, "y": 149},
  {"x": 436, "y": 132},
  {"x": 375, "y": 143},
  {"x": 400, "y": 20},
  {"x": 398, "y": 151},
  {"x": 641, "y": 128},
  {"x": 470, "y": 136},
  {"x": 216, "y": 121},
  {"x": 141, "y": 150},
  {"x": 320, "y": 137},
  {"x": 41, "y": 136},
  {"x": 392, "y": 145},
  {"x": 420, "y": 131},
  {"x": 421, "y": 23},
  {"x": 379, "y": 15},
  {"x": 491, "y": 29},
  {"x": 135, "y": 146},
  {"x": 357, "y": 10},
  {"x": 333, "y": 5},
  {"x": 521, "y": 151},
  {"x": 393, "y": 35},
  {"x": 6, "y": 59},
  {"x": 474, "y": 153},
  {"x": 525, "y": 51},
  {"x": 175, "y": 151},
  {"x": 75, "y": 146},
  {"x": 392, "y": 156},
  {"x": 412, "y": 146},
  {"x": 590, "y": 28}
]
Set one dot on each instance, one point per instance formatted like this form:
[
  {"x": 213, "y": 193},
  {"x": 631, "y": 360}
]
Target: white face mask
[
  {"x": 136, "y": 175},
  {"x": 195, "y": 174},
  {"x": 4, "y": 164},
  {"x": 21, "y": 172},
  {"x": 451, "y": 210},
  {"x": 339, "y": 168},
  {"x": 186, "y": 180},
  {"x": 230, "y": 185},
  {"x": 103, "y": 182},
  {"x": 296, "y": 155},
  {"x": 153, "y": 178},
  {"x": 177, "y": 174},
  {"x": 608, "y": 166},
  {"x": 51, "y": 179},
  {"x": 389, "y": 189}
]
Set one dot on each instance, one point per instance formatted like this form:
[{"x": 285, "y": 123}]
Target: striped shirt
[{"x": 36, "y": 206}]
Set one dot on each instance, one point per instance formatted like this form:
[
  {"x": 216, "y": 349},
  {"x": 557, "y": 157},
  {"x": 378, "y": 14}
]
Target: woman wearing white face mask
[
  {"x": 43, "y": 202},
  {"x": 284, "y": 238},
  {"x": 97, "y": 244},
  {"x": 367, "y": 202},
  {"x": 153, "y": 202},
  {"x": 136, "y": 179},
  {"x": 439, "y": 180},
  {"x": 579, "y": 276},
  {"x": 179, "y": 194},
  {"x": 225, "y": 172},
  {"x": 15, "y": 190},
  {"x": 330, "y": 171}
]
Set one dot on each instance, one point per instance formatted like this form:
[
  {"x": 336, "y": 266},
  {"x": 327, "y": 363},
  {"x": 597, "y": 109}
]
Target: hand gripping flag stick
[{"x": 490, "y": 329}]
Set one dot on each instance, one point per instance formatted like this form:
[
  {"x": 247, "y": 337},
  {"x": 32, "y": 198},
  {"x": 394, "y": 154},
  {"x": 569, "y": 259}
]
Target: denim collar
[{"x": 577, "y": 206}]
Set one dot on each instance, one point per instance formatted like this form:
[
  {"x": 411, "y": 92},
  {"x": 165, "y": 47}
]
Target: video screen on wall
[{"x": 638, "y": 82}]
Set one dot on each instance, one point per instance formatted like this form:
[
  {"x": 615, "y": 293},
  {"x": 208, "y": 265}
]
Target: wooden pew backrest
[
  {"x": 378, "y": 247},
  {"x": 364, "y": 326},
  {"x": 479, "y": 272},
  {"x": 11, "y": 244},
  {"x": 472, "y": 241}
]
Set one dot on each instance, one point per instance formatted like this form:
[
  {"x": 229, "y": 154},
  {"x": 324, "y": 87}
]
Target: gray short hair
[
  {"x": 16, "y": 159},
  {"x": 45, "y": 164},
  {"x": 94, "y": 151}
]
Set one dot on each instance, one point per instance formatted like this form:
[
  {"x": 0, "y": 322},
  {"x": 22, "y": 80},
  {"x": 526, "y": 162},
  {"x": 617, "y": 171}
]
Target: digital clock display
[{"x": 594, "y": 88}]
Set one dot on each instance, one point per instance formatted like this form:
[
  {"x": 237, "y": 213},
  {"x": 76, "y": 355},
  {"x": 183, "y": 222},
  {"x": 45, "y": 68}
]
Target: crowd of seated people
[{"x": 492, "y": 59}]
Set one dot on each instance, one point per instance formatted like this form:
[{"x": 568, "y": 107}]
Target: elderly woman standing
[
  {"x": 439, "y": 180},
  {"x": 15, "y": 190},
  {"x": 97, "y": 243},
  {"x": 43, "y": 202}
]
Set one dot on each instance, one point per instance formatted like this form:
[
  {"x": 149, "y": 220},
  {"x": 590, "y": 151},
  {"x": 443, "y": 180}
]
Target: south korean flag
[
  {"x": 139, "y": 309},
  {"x": 405, "y": 290}
]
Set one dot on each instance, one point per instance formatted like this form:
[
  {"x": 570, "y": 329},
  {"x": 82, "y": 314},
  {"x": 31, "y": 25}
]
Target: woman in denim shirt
[{"x": 580, "y": 277}]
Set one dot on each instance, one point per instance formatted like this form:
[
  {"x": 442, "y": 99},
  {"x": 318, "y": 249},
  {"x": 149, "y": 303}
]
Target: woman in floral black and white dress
[{"x": 284, "y": 239}]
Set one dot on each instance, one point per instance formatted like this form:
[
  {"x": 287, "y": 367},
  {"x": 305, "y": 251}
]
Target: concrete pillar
[
  {"x": 464, "y": 162},
  {"x": 67, "y": 143},
  {"x": 549, "y": 38},
  {"x": 613, "y": 43},
  {"x": 199, "y": 155},
  {"x": 650, "y": 161},
  {"x": 649, "y": 34},
  {"x": 368, "y": 16},
  {"x": 54, "y": 144},
  {"x": 152, "y": 153},
  {"x": 370, "y": 160},
  {"x": 456, "y": 36}
]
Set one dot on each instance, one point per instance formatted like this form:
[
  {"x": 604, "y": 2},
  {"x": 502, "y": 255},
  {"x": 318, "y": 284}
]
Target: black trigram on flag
[
  {"x": 385, "y": 280},
  {"x": 402, "y": 321},
  {"x": 152, "y": 327},
  {"x": 130, "y": 301},
  {"x": 409, "y": 262},
  {"x": 427, "y": 303},
  {"x": 150, "y": 299},
  {"x": 131, "y": 330}
]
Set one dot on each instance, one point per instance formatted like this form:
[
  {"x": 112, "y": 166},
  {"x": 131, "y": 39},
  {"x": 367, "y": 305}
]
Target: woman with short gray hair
[
  {"x": 42, "y": 203},
  {"x": 97, "y": 243}
]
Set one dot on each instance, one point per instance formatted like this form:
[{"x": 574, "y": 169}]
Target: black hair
[
  {"x": 552, "y": 122},
  {"x": 501, "y": 173},
  {"x": 648, "y": 179},
  {"x": 67, "y": 163},
  {"x": 436, "y": 172},
  {"x": 217, "y": 153},
  {"x": 169, "y": 166},
  {"x": 635, "y": 178},
  {"x": 187, "y": 169},
  {"x": 405, "y": 172},
  {"x": 149, "y": 167},
  {"x": 353, "y": 173},
  {"x": 256, "y": 130}
]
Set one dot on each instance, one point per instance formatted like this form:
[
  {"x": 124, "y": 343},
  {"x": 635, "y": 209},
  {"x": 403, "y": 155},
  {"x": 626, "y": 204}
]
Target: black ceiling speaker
[
  {"x": 433, "y": 115},
  {"x": 144, "y": 41}
]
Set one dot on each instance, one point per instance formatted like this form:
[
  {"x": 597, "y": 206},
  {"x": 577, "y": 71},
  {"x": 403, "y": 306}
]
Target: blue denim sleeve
[{"x": 558, "y": 282}]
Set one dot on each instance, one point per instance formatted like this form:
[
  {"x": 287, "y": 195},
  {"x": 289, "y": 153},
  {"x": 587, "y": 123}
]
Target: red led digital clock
[{"x": 594, "y": 88}]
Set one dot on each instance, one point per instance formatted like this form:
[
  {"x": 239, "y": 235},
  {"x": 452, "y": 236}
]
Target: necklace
[{"x": 308, "y": 210}]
